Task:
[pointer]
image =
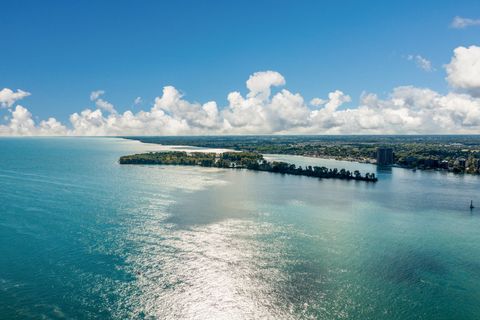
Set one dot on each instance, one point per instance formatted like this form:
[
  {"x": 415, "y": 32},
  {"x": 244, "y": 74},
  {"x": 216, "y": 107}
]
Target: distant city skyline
[{"x": 263, "y": 67}]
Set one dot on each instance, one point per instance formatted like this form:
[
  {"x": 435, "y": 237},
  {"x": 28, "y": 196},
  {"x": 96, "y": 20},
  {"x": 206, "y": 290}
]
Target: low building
[
  {"x": 461, "y": 162},
  {"x": 444, "y": 164}
]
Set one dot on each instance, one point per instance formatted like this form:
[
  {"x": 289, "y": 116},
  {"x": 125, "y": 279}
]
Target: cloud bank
[{"x": 269, "y": 108}]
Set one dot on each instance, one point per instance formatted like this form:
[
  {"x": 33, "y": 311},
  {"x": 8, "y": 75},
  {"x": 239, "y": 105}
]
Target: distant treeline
[
  {"x": 233, "y": 142},
  {"x": 416, "y": 151},
  {"x": 248, "y": 160}
]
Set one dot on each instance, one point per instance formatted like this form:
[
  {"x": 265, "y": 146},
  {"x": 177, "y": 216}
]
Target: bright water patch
[{"x": 83, "y": 237}]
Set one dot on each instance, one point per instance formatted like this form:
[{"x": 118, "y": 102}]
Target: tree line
[{"x": 247, "y": 160}]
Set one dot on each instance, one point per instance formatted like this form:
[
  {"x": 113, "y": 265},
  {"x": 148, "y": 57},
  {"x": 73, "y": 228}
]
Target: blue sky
[{"x": 60, "y": 51}]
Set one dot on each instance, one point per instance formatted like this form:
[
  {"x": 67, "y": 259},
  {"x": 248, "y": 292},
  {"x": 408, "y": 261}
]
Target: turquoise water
[{"x": 83, "y": 237}]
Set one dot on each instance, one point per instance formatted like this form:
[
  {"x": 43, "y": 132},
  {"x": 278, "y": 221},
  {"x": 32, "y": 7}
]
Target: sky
[{"x": 239, "y": 67}]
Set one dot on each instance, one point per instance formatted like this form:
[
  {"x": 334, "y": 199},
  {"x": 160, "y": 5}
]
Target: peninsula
[
  {"x": 451, "y": 153},
  {"x": 242, "y": 160}
]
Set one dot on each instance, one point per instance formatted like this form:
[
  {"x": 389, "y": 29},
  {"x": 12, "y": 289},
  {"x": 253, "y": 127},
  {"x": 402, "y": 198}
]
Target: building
[
  {"x": 384, "y": 156},
  {"x": 461, "y": 162},
  {"x": 444, "y": 164}
]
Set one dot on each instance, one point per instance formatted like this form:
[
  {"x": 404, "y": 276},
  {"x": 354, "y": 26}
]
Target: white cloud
[
  {"x": 172, "y": 105},
  {"x": 21, "y": 124},
  {"x": 51, "y": 127},
  {"x": 317, "y": 102},
  {"x": 421, "y": 62},
  {"x": 94, "y": 95},
  {"x": 105, "y": 105},
  {"x": 463, "y": 71},
  {"x": 335, "y": 100},
  {"x": 8, "y": 97},
  {"x": 260, "y": 83},
  {"x": 407, "y": 109},
  {"x": 137, "y": 101},
  {"x": 461, "y": 23},
  {"x": 101, "y": 103}
]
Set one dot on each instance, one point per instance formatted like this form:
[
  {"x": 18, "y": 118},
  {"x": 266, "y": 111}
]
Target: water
[{"x": 83, "y": 237}]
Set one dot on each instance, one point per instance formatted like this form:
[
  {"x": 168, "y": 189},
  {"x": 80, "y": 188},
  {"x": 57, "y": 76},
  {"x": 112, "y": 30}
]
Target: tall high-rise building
[{"x": 384, "y": 156}]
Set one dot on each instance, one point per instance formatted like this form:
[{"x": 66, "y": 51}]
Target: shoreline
[
  {"x": 189, "y": 148},
  {"x": 251, "y": 161},
  {"x": 363, "y": 161}
]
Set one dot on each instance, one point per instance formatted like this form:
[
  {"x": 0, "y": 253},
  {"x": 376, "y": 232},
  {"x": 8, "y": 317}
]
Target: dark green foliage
[{"x": 249, "y": 160}]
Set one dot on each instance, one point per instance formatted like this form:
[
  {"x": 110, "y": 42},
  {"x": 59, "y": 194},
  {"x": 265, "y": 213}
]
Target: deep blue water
[{"x": 83, "y": 237}]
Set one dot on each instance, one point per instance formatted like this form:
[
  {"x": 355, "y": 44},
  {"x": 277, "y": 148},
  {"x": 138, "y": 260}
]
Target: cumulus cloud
[
  {"x": 335, "y": 100},
  {"x": 407, "y": 109},
  {"x": 8, "y": 97},
  {"x": 105, "y": 105},
  {"x": 171, "y": 105},
  {"x": 260, "y": 83},
  {"x": 317, "y": 102},
  {"x": 100, "y": 103},
  {"x": 461, "y": 23},
  {"x": 21, "y": 124},
  {"x": 464, "y": 69},
  {"x": 421, "y": 62}
]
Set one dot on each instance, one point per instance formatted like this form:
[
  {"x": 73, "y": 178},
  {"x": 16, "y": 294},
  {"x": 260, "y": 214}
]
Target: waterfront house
[
  {"x": 461, "y": 162},
  {"x": 444, "y": 164}
]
